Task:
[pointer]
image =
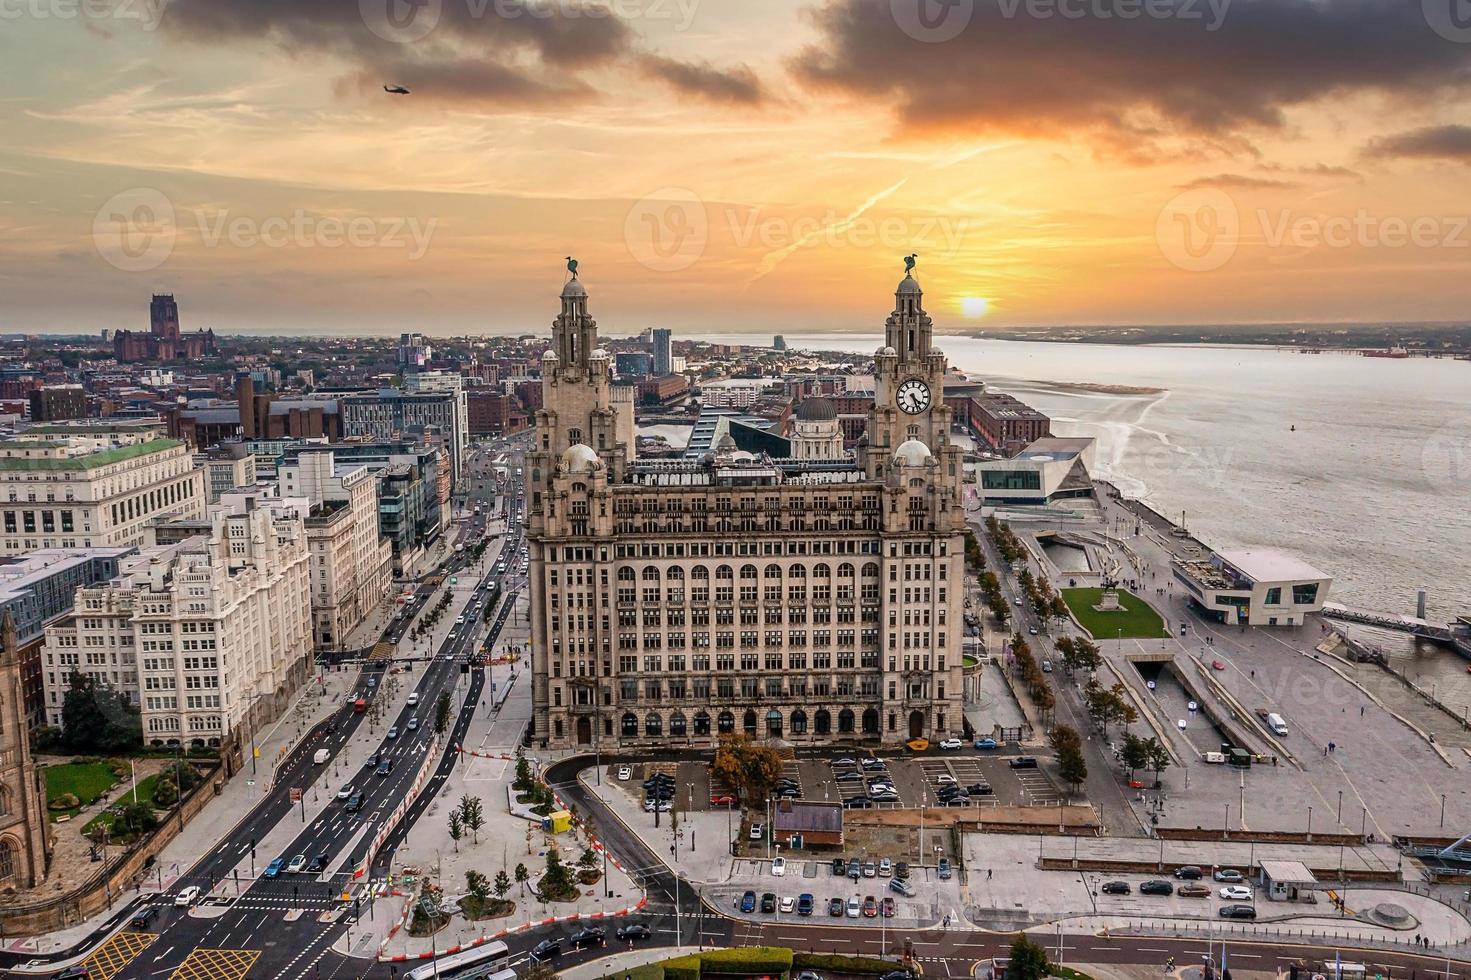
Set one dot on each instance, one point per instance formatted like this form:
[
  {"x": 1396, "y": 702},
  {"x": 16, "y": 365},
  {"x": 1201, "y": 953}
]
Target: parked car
[
  {"x": 1238, "y": 893},
  {"x": 886, "y": 867},
  {"x": 979, "y": 789},
  {"x": 758, "y": 831},
  {"x": 804, "y": 903},
  {"x": 588, "y": 938},
  {"x": 625, "y": 772},
  {"x": 1116, "y": 888},
  {"x": 951, "y": 743},
  {"x": 1023, "y": 762},
  {"x": 849, "y": 776},
  {"x": 886, "y": 797},
  {"x": 1156, "y": 886},
  {"x": 722, "y": 799},
  {"x": 945, "y": 779},
  {"x": 870, "y": 907},
  {"x": 1237, "y": 912},
  {"x": 840, "y": 867},
  {"x": 874, "y": 764},
  {"x": 187, "y": 896},
  {"x": 1188, "y": 872},
  {"x": 835, "y": 907},
  {"x": 789, "y": 793},
  {"x": 1229, "y": 876},
  {"x": 768, "y": 902},
  {"x": 986, "y": 744},
  {"x": 632, "y": 931},
  {"x": 274, "y": 868},
  {"x": 886, "y": 907},
  {"x": 547, "y": 949},
  {"x": 854, "y": 909},
  {"x": 786, "y": 904},
  {"x": 901, "y": 870},
  {"x": 858, "y": 803},
  {"x": 78, "y": 972},
  {"x": 896, "y": 975},
  {"x": 855, "y": 868},
  {"x": 943, "y": 869},
  {"x": 779, "y": 866},
  {"x": 846, "y": 761},
  {"x": 748, "y": 902},
  {"x": 902, "y": 886},
  {"x": 869, "y": 869},
  {"x": 297, "y": 865},
  {"x": 1193, "y": 891}
]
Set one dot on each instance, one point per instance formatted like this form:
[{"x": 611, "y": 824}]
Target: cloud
[
  {"x": 1235, "y": 182},
  {"x": 1429, "y": 143},
  {"x": 738, "y": 85},
  {"x": 1213, "y": 73}
]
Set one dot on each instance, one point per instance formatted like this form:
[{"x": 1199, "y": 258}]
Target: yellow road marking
[
  {"x": 216, "y": 964},
  {"x": 109, "y": 959}
]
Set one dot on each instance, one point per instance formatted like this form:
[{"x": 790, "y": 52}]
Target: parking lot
[{"x": 932, "y": 896}]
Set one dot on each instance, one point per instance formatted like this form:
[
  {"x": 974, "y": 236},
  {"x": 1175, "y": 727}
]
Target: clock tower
[{"x": 909, "y": 386}]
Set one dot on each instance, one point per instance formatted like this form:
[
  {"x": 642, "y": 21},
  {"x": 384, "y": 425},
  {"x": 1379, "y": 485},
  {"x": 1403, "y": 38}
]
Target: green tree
[
  {"x": 748, "y": 766},
  {"x": 135, "y": 819},
  {"x": 478, "y": 886},
  {"x": 522, "y": 877},
  {"x": 1028, "y": 960},
  {"x": 1134, "y": 753},
  {"x": 502, "y": 884},
  {"x": 98, "y": 719},
  {"x": 588, "y": 860},
  {"x": 441, "y": 714},
  {"x": 456, "y": 828},
  {"x": 472, "y": 812},
  {"x": 165, "y": 791},
  {"x": 1159, "y": 758},
  {"x": 558, "y": 879},
  {"x": 1069, "y": 748},
  {"x": 523, "y": 773}
]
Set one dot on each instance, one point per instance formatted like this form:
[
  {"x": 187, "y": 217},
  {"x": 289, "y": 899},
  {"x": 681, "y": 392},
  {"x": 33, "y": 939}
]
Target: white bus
[{"x": 488, "y": 960}]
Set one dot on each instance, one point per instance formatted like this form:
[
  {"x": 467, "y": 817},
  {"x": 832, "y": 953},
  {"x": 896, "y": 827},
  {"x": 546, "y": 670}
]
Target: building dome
[
  {"x": 816, "y": 410},
  {"x": 909, "y": 284},
  {"x": 888, "y": 352},
  {"x": 580, "y": 458},
  {"x": 573, "y": 289},
  {"x": 912, "y": 453},
  {"x": 598, "y": 355},
  {"x": 549, "y": 356}
]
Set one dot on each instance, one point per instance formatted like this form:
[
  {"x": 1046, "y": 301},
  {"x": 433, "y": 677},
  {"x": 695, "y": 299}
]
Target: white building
[
  {"x": 202, "y": 635},
  {"x": 226, "y": 467},
  {"x": 1255, "y": 586},
  {"x": 1048, "y": 469},
  {"x": 351, "y": 565},
  {"x": 723, "y": 395},
  {"x": 82, "y": 491},
  {"x": 430, "y": 381}
]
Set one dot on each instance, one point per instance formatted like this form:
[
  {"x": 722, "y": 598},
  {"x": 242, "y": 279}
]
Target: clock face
[{"x": 914, "y": 396}]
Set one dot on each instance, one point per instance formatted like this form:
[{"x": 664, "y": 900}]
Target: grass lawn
[
  {"x": 84, "y": 780},
  {"x": 125, "y": 796},
  {"x": 1138, "y": 618},
  {"x": 654, "y": 971}
]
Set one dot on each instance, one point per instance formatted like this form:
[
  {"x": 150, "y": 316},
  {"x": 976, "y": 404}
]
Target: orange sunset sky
[{"x": 723, "y": 166}]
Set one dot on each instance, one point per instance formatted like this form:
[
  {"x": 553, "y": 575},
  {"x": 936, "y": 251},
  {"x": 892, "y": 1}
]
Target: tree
[
  {"x": 441, "y": 714},
  {"x": 478, "y": 886},
  {"x": 456, "y": 828},
  {"x": 135, "y": 819},
  {"x": 472, "y": 812},
  {"x": 502, "y": 884},
  {"x": 748, "y": 766},
  {"x": 1028, "y": 960},
  {"x": 523, "y": 773},
  {"x": 588, "y": 860},
  {"x": 1069, "y": 748},
  {"x": 522, "y": 877},
  {"x": 558, "y": 879},
  {"x": 1159, "y": 758},
  {"x": 1134, "y": 754},
  {"x": 165, "y": 790},
  {"x": 98, "y": 718}
]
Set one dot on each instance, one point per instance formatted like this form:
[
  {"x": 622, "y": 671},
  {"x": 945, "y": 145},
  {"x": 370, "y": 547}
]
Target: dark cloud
[
  {"x": 1235, "y": 182},
  {"x": 1128, "y": 81},
  {"x": 738, "y": 85},
  {"x": 1429, "y": 143}
]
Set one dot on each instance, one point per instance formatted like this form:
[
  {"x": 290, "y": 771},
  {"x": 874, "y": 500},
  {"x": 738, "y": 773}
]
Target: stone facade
[
  {"x": 818, "y": 601},
  {"x": 22, "y": 793}
]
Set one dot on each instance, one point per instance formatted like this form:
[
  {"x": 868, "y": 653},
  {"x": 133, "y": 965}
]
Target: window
[
  {"x": 1274, "y": 596},
  {"x": 630, "y": 725}
]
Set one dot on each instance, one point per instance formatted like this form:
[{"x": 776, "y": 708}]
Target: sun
[{"x": 975, "y": 306}]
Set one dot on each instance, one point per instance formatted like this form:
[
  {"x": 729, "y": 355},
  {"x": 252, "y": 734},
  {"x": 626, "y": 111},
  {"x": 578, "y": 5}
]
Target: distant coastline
[{"x": 1416, "y": 340}]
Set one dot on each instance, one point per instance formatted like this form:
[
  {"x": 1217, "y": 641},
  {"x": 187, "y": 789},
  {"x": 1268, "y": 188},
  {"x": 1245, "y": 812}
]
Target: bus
[
  {"x": 359, "y": 706},
  {"x": 482, "y": 961}
]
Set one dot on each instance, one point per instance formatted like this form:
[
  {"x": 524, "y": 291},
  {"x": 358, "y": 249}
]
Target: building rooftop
[
  {"x": 796, "y": 816},
  {"x": 1269, "y": 565},
  {"x": 54, "y": 459}
]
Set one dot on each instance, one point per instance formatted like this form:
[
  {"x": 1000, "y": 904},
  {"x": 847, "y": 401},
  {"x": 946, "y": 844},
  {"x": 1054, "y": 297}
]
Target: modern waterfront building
[
  {"x": 1049, "y": 469},
  {"x": 92, "y": 491},
  {"x": 38, "y": 589},
  {"x": 818, "y": 601},
  {"x": 1253, "y": 586},
  {"x": 204, "y": 636}
]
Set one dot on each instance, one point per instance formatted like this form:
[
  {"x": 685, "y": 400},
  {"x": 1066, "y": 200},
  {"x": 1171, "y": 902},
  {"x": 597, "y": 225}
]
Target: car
[
  {"x": 858, "y": 803},
  {"x": 846, "y": 761},
  {"x": 804, "y": 903},
  {"x": 1236, "y": 893},
  {"x": 143, "y": 917},
  {"x": 951, "y": 743},
  {"x": 1023, "y": 762},
  {"x": 870, "y": 907},
  {"x": 274, "y": 868},
  {"x": 849, "y": 776},
  {"x": 896, "y": 975},
  {"x": 809, "y": 975},
  {"x": 855, "y": 868},
  {"x": 779, "y": 866},
  {"x": 635, "y": 930},
  {"x": 297, "y": 865},
  {"x": 786, "y": 904},
  {"x": 840, "y": 867},
  {"x": 943, "y": 869},
  {"x": 902, "y": 886},
  {"x": 874, "y": 764},
  {"x": 758, "y": 831},
  {"x": 392, "y": 733},
  {"x": 1116, "y": 888},
  {"x": 78, "y": 972},
  {"x": 886, "y": 907},
  {"x": 1229, "y": 876},
  {"x": 722, "y": 799},
  {"x": 625, "y": 773},
  {"x": 945, "y": 779},
  {"x": 413, "y": 725},
  {"x": 789, "y": 793},
  {"x": 588, "y": 938},
  {"x": 663, "y": 806},
  {"x": 371, "y": 762},
  {"x": 986, "y": 744},
  {"x": 1047, "y": 666},
  {"x": 187, "y": 896},
  {"x": 870, "y": 870},
  {"x": 413, "y": 698},
  {"x": 1237, "y": 912},
  {"x": 768, "y": 902},
  {"x": 918, "y": 744},
  {"x": 885, "y": 797},
  {"x": 345, "y": 792},
  {"x": 547, "y": 949},
  {"x": 1017, "y": 602},
  {"x": 1193, "y": 891},
  {"x": 1188, "y": 872},
  {"x": 979, "y": 789},
  {"x": 748, "y": 902},
  {"x": 1031, "y": 631},
  {"x": 901, "y": 870},
  {"x": 961, "y": 800},
  {"x": 835, "y": 907},
  {"x": 1156, "y": 886},
  {"x": 1217, "y": 665},
  {"x": 354, "y": 803},
  {"x": 886, "y": 867},
  {"x": 659, "y": 781},
  {"x": 854, "y": 909},
  {"x": 384, "y": 768}
]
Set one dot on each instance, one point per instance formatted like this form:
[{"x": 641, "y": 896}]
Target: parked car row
[
  {"x": 1159, "y": 886},
  {"x": 870, "y": 906}
]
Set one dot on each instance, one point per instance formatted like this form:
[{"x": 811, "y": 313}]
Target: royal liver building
[{"x": 816, "y": 600}]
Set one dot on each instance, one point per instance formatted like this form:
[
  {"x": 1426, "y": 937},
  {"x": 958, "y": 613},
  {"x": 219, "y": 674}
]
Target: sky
[{"x": 732, "y": 165}]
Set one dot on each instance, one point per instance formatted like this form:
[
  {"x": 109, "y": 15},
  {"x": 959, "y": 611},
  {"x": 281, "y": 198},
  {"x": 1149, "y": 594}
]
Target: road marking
[{"x": 216, "y": 964}]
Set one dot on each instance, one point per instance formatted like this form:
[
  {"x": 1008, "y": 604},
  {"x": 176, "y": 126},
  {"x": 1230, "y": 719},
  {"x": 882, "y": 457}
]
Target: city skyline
[{"x": 1048, "y": 165}]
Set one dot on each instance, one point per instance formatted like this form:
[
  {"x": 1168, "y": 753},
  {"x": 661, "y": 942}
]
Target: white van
[
  {"x": 321, "y": 756},
  {"x": 413, "y": 698},
  {"x": 1276, "y": 724},
  {"x": 1216, "y": 758}
]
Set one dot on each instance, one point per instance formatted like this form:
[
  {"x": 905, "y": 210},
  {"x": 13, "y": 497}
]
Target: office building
[
  {"x": 439, "y": 416},
  {"x": 661, "y": 345},
  {"x": 226, "y": 466},
  {"x": 57, "y": 403}
]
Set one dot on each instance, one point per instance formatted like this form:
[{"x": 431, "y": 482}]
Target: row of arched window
[
  {"x": 774, "y": 722},
  {"x": 700, "y": 573}
]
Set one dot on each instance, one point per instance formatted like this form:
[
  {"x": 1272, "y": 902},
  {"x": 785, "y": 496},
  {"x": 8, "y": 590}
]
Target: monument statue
[
  {"x": 572, "y": 266},
  {"x": 909, "y": 262}
]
